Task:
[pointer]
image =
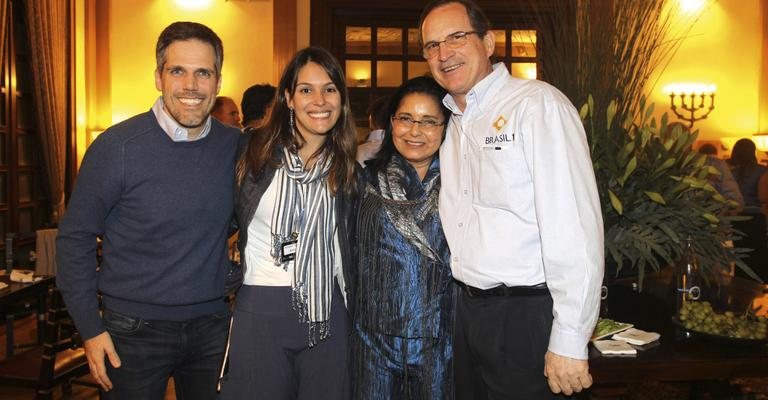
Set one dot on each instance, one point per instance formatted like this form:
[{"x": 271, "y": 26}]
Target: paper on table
[
  {"x": 636, "y": 336},
  {"x": 24, "y": 276},
  {"x": 614, "y": 347}
]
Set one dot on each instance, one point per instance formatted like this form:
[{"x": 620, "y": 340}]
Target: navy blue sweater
[{"x": 163, "y": 208}]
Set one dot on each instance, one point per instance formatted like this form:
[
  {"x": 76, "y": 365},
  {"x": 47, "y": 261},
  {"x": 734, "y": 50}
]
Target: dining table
[
  {"x": 19, "y": 293},
  {"x": 679, "y": 355}
]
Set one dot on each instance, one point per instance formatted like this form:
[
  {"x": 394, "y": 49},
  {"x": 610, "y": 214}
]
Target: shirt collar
[
  {"x": 176, "y": 132},
  {"x": 482, "y": 91}
]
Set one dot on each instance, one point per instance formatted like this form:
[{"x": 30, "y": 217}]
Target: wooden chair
[{"x": 60, "y": 359}]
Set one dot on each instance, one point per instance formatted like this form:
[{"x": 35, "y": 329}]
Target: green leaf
[
  {"x": 615, "y": 202},
  {"x": 625, "y": 151},
  {"x": 695, "y": 182},
  {"x": 712, "y": 170},
  {"x": 671, "y": 233},
  {"x": 644, "y": 138},
  {"x": 610, "y": 112},
  {"x": 631, "y": 165},
  {"x": 656, "y": 197},
  {"x": 687, "y": 159},
  {"x": 711, "y": 218},
  {"x": 668, "y": 163},
  {"x": 584, "y": 111},
  {"x": 649, "y": 111},
  {"x": 669, "y": 143}
]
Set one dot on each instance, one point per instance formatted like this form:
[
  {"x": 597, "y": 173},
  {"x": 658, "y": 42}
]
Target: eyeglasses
[
  {"x": 408, "y": 122},
  {"x": 452, "y": 41}
]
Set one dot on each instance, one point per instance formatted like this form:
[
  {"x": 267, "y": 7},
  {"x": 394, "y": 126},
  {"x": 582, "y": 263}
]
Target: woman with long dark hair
[
  {"x": 403, "y": 290},
  {"x": 295, "y": 180}
]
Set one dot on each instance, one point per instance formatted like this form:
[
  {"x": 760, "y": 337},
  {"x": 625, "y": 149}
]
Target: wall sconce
[
  {"x": 193, "y": 5},
  {"x": 761, "y": 141},
  {"x": 691, "y": 99}
]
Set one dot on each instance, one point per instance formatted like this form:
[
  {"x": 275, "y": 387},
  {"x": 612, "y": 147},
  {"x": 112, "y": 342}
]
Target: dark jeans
[
  {"x": 499, "y": 347},
  {"x": 152, "y": 351}
]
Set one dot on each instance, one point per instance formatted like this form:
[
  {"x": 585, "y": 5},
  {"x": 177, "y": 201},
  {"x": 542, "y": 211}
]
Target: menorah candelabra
[{"x": 689, "y": 102}]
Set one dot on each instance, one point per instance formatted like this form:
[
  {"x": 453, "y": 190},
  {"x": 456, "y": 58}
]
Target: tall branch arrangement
[{"x": 654, "y": 188}]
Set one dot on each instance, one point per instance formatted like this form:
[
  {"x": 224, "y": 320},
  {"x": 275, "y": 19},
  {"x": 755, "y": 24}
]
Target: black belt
[{"x": 503, "y": 290}]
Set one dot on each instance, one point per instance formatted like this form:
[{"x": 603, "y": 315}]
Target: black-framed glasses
[
  {"x": 452, "y": 41},
  {"x": 408, "y": 122}
]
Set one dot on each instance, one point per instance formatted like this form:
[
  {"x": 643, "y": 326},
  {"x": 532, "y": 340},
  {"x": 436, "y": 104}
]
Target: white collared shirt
[
  {"x": 519, "y": 202},
  {"x": 176, "y": 132}
]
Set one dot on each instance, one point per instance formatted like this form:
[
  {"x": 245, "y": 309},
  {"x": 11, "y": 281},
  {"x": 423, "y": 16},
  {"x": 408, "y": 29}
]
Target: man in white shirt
[
  {"x": 521, "y": 212},
  {"x": 378, "y": 118}
]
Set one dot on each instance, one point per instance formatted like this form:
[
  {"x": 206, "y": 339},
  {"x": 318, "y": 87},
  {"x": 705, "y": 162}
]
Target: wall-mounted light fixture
[
  {"x": 691, "y": 102},
  {"x": 194, "y": 4},
  {"x": 761, "y": 141},
  {"x": 692, "y": 6}
]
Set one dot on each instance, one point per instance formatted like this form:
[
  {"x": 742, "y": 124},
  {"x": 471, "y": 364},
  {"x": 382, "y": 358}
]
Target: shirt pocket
[{"x": 503, "y": 177}]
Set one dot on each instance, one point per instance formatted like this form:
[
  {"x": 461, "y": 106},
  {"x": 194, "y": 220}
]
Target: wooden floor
[{"x": 25, "y": 331}]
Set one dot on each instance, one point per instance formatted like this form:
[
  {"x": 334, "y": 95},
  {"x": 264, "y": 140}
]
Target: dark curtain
[
  {"x": 48, "y": 27},
  {"x": 3, "y": 27}
]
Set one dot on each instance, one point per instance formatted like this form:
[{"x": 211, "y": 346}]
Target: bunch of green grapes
[{"x": 699, "y": 316}]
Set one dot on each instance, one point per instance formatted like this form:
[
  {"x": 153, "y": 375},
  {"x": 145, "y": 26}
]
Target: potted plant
[
  {"x": 655, "y": 192},
  {"x": 653, "y": 186}
]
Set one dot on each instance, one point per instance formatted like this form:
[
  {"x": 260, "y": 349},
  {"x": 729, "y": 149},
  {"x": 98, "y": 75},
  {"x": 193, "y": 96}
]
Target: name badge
[{"x": 288, "y": 248}]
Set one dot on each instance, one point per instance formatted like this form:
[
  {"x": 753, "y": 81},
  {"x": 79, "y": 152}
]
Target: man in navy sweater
[{"x": 158, "y": 189}]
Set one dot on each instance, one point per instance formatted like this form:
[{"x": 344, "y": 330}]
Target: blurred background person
[
  {"x": 753, "y": 183},
  {"x": 256, "y": 103},
  {"x": 225, "y": 110},
  {"x": 378, "y": 119},
  {"x": 403, "y": 290},
  {"x": 724, "y": 181}
]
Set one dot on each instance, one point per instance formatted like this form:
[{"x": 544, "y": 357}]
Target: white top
[
  {"x": 260, "y": 266},
  {"x": 519, "y": 202}
]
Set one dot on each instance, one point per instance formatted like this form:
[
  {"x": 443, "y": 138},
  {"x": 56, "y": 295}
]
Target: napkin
[
  {"x": 23, "y": 276},
  {"x": 3, "y": 285},
  {"x": 636, "y": 336},
  {"x": 609, "y": 347}
]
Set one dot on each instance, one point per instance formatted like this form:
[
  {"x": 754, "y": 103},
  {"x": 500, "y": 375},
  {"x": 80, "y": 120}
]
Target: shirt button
[
  {"x": 461, "y": 224},
  {"x": 456, "y": 259},
  {"x": 466, "y": 191}
]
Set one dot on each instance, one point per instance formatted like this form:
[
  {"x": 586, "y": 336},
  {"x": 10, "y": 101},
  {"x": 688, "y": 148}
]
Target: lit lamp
[
  {"x": 691, "y": 102},
  {"x": 761, "y": 141}
]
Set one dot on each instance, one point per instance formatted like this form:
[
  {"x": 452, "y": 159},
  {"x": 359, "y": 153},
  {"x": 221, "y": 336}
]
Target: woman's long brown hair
[{"x": 276, "y": 132}]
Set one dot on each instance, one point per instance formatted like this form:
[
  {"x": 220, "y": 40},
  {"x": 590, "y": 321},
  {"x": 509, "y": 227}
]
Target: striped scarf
[{"x": 304, "y": 209}]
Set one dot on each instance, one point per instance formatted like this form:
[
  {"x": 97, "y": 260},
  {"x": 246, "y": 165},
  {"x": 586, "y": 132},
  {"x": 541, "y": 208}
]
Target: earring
[{"x": 291, "y": 121}]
